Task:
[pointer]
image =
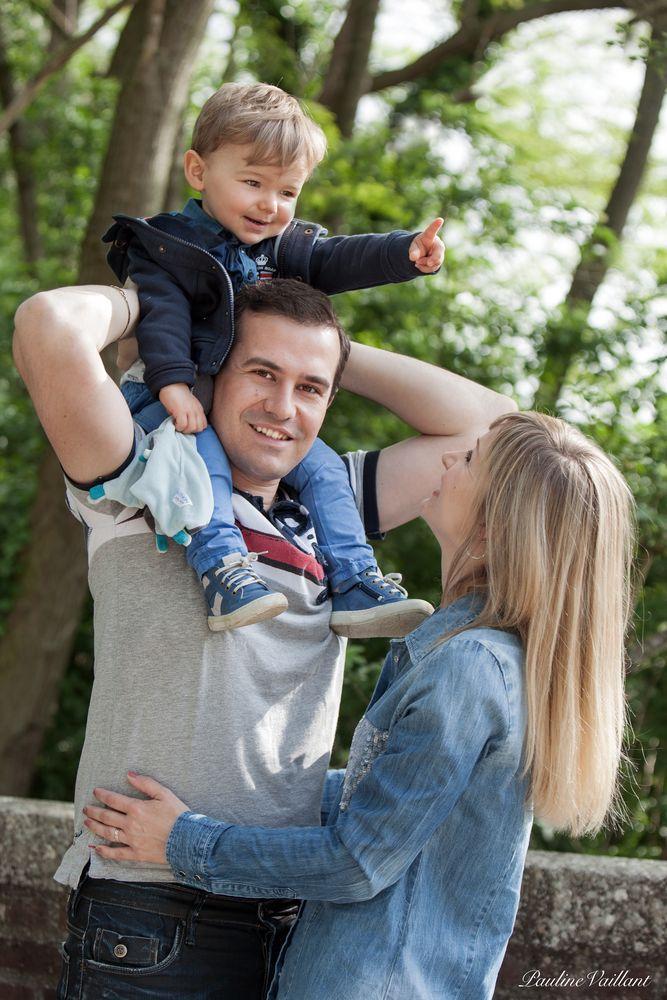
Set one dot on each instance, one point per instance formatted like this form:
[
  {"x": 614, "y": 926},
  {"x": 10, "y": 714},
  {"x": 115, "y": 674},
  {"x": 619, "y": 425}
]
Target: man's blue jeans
[
  {"x": 321, "y": 481},
  {"x": 129, "y": 940}
]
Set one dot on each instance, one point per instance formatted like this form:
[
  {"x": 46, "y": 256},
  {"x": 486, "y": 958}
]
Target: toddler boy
[{"x": 253, "y": 149}]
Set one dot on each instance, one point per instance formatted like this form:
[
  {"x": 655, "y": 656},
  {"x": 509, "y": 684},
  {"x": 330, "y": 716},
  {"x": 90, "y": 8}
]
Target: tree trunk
[
  {"x": 36, "y": 646},
  {"x": 347, "y": 78},
  {"x": 229, "y": 72},
  {"x": 64, "y": 16},
  {"x": 173, "y": 196},
  {"x": 19, "y": 148},
  {"x": 149, "y": 115},
  {"x": 475, "y": 33},
  {"x": 563, "y": 338}
]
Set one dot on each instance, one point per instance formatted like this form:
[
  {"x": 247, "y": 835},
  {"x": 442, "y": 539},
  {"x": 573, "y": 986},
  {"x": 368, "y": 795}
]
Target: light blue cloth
[
  {"x": 415, "y": 879},
  {"x": 168, "y": 476}
]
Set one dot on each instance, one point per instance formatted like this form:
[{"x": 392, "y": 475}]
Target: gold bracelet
[{"x": 127, "y": 306}]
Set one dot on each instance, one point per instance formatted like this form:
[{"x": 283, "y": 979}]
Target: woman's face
[{"x": 448, "y": 510}]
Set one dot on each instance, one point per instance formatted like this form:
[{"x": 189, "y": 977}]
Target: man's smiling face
[{"x": 271, "y": 397}]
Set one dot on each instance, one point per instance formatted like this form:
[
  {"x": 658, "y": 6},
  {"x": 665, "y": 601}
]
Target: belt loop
[
  {"x": 73, "y": 897},
  {"x": 200, "y": 899},
  {"x": 268, "y": 938}
]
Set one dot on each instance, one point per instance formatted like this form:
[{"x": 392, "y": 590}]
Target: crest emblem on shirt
[{"x": 265, "y": 270}]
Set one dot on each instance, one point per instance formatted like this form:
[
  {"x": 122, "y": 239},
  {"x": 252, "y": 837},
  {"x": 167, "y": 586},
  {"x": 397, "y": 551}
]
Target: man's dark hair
[{"x": 299, "y": 303}]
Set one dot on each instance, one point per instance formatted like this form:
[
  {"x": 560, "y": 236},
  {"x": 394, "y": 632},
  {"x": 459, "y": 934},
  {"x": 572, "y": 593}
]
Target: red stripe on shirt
[{"x": 282, "y": 554}]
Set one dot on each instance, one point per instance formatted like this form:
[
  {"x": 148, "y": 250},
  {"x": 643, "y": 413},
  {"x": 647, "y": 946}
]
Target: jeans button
[
  {"x": 120, "y": 951},
  {"x": 182, "y": 874},
  {"x": 197, "y": 878}
]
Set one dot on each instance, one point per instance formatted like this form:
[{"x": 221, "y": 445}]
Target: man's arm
[
  {"x": 58, "y": 339},
  {"x": 448, "y": 411}
]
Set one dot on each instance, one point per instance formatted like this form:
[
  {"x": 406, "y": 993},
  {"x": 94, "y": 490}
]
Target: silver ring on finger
[{"x": 116, "y": 831}]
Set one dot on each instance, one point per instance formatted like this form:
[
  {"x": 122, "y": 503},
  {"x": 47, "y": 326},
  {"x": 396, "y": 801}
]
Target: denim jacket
[
  {"x": 187, "y": 273},
  {"x": 413, "y": 883}
]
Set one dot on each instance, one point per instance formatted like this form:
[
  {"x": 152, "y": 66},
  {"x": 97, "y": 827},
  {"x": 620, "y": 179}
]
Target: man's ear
[{"x": 194, "y": 168}]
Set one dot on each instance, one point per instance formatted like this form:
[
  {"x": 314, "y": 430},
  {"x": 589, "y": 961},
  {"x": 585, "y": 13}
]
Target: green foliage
[
  {"x": 20, "y": 447},
  {"x": 519, "y": 198},
  {"x": 67, "y": 128},
  {"x": 276, "y": 42}
]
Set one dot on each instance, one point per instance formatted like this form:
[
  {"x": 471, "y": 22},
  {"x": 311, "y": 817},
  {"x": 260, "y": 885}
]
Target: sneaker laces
[
  {"x": 387, "y": 580},
  {"x": 240, "y": 574}
]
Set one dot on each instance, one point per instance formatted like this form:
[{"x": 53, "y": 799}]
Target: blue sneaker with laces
[
  {"x": 371, "y": 605},
  {"x": 237, "y": 596}
]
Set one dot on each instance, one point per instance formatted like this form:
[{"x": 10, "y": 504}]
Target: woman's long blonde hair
[{"x": 558, "y": 518}]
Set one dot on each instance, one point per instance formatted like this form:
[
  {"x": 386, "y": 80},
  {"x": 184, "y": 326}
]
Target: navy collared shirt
[{"x": 234, "y": 256}]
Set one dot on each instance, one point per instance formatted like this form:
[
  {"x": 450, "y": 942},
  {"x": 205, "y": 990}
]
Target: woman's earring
[{"x": 475, "y": 558}]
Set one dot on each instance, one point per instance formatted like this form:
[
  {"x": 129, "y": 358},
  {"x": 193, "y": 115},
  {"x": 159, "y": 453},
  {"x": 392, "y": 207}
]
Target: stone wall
[
  {"x": 587, "y": 927},
  {"x": 600, "y": 921},
  {"x": 33, "y": 835}
]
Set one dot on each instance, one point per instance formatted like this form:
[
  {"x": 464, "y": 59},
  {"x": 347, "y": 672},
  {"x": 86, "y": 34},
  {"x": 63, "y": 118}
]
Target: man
[{"x": 237, "y": 724}]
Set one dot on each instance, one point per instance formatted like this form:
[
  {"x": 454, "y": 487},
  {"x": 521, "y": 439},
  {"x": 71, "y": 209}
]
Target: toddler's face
[{"x": 253, "y": 201}]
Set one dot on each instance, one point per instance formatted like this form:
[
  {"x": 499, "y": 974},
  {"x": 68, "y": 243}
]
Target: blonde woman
[{"x": 508, "y": 699}]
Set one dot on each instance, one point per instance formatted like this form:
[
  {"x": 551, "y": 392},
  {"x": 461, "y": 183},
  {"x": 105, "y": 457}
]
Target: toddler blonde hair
[{"x": 273, "y": 122}]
